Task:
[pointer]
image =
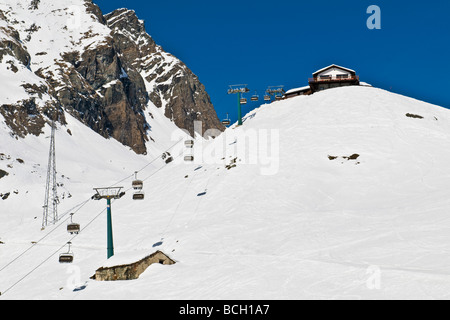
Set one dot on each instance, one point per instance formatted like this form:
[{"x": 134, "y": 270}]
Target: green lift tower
[
  {"x": 109, "y": 194},
  {"x": 239, "y": 89}
]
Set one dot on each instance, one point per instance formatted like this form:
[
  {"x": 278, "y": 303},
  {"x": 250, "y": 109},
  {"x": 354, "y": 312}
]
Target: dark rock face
[
  {"x": 11, "y": 44},
  {"x": 170, "y": 83},
  {"x": 115, "y": 104},
  {"x": 23, "y": 118},
  {"x": 3, "y": 173},
  {"x": 34, "y": 4},
  {"x": 107, "y": 86}
]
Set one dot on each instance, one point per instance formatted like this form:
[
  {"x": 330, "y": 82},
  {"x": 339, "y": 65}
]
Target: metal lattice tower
[{"x": 50, "y": 215}]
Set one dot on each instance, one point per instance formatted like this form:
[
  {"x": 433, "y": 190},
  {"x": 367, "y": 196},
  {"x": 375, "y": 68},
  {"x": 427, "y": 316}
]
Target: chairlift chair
[
  {"x": 140, "y": 195},
  {"x": 189, "y": 143},
  {"x": 66, "y": 257},
  {"x": 226, "y": 121},
  {"x": 167, "y": 157},
  {"x": 243, "y": 101},
  {"x": 266, "y": 98},
  {"x": 137, "y": 184},
  {"x": 255, "y": 97},
  {"x": 169, "y": 160},
  {"x": 189, "y": 158},
  {"x": 73, "y": 228}
]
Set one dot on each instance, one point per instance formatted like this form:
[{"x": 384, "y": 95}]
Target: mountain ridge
[{"x": 75, "y": 62}]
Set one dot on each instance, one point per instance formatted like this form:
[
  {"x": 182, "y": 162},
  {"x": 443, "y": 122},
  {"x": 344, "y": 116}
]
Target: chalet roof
[
  {"x": 298, "y": 89},
  {"x": 334, "y": 66}
]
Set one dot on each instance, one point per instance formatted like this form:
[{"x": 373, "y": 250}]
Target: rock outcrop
[
  {"x": 169, "y": 82},
  {"x": 131, "y": 271},
  {"x": 103, "y": 70}
]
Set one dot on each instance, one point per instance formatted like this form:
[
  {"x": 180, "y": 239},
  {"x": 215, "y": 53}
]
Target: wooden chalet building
[{"x": 330, "y": 77}]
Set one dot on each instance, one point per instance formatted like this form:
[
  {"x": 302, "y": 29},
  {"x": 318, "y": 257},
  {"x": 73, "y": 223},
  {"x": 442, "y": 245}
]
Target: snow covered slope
[{"x": 337, "y": 195}]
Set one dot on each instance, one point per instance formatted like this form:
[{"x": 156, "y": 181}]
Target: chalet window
[
  {"x": 325, "y": 77},
  {"x": 342, "y": 76}
]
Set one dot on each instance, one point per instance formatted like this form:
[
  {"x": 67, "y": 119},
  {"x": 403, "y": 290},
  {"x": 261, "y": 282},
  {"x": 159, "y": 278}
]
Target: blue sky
[{"x": 267, "y": 43}]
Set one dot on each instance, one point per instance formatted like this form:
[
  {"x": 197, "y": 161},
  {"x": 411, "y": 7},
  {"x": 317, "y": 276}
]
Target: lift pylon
[
  {"x": 239, "y": 89},
  {"x": 108, "y": 194},
  {"x": 277, "y": 91},
  {"x": 50, "y": 214}
]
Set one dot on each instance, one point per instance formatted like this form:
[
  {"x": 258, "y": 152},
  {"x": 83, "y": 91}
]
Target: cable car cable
[
  {"x": 79, "y": 206},
  {"x": 86, "y": 226},
  {"x": 34, "y": 269},
  {"x": 53, "y": 254},
  {"x": 40, "y": 240}
]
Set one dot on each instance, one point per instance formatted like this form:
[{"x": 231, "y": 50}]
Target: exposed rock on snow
[
  {"x": 3, "y": 173},
  {"x": 416, "y": 116},
  {"x": 168, "y": 81},
  {"x": 131, "y": 271}
]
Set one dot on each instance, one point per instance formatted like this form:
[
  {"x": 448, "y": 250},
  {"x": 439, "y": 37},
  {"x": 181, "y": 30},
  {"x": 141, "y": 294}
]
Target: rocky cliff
[
  {"x": 168, "y": 81},
  {"x": 106, "y": 71}
]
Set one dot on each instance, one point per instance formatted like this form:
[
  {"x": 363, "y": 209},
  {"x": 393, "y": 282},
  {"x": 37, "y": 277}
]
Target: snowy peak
[
  {"x": 107, "y": 72},
  {"x": 124, "y": 20},
  {"x": 11, "y": 43}
]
